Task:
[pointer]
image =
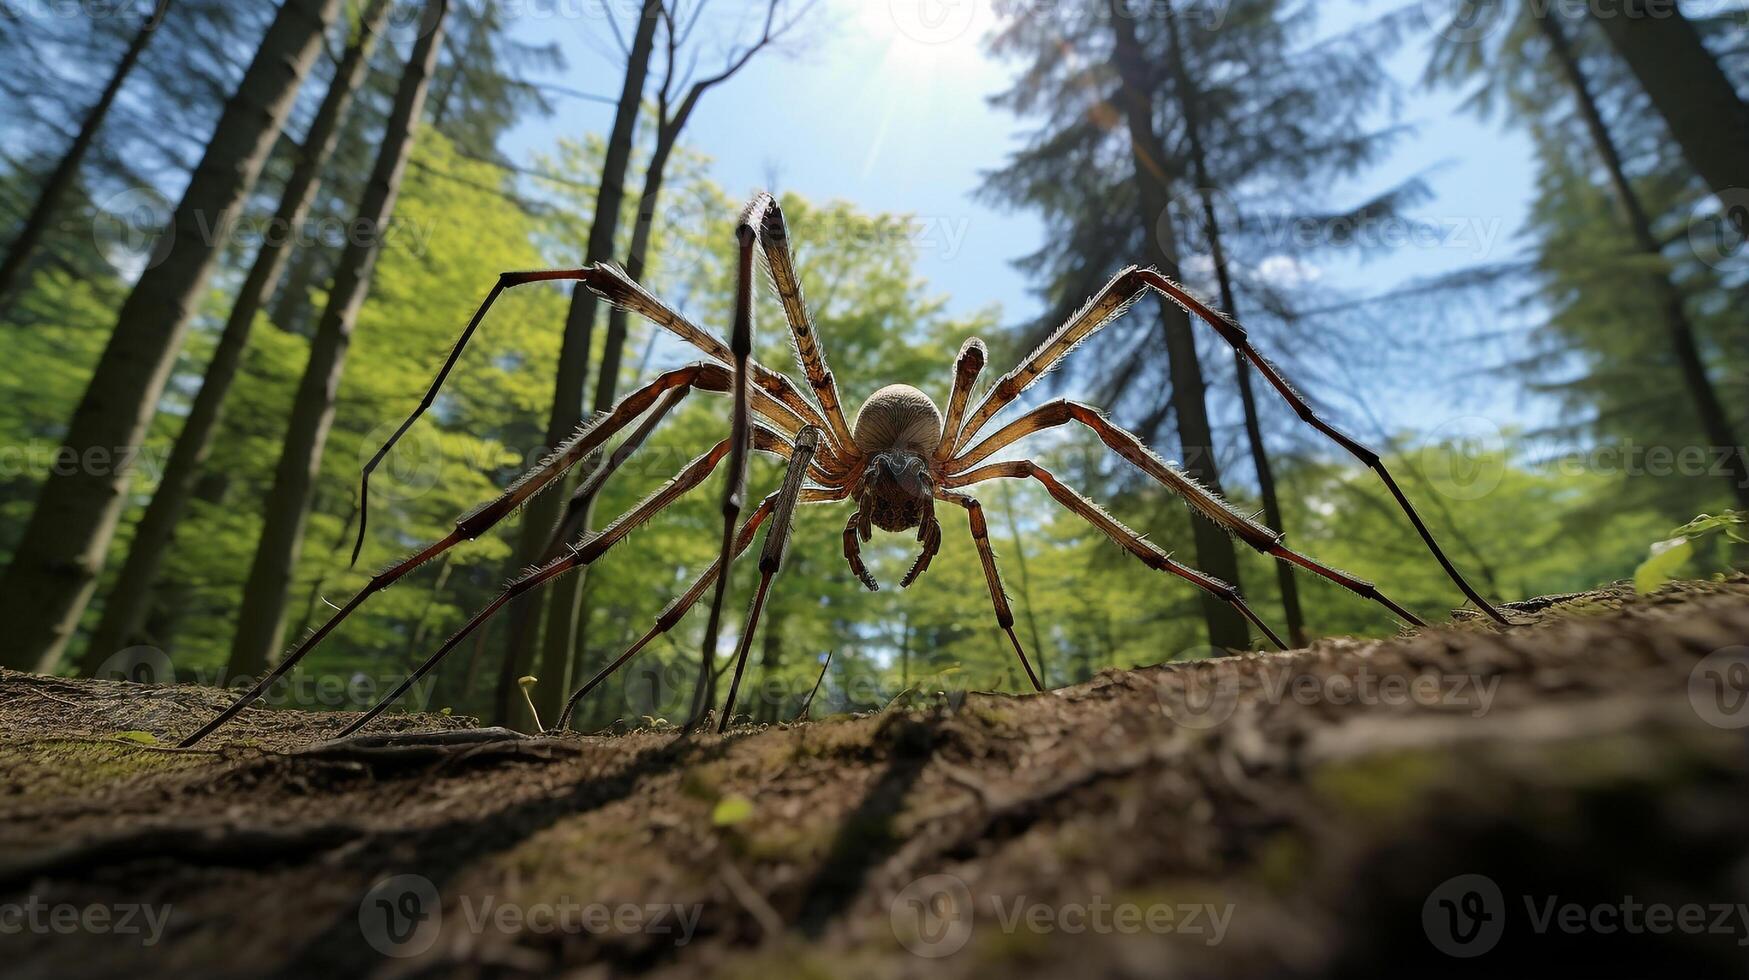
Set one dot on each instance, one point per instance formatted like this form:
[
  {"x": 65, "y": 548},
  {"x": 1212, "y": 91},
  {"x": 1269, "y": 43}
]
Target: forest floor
[{"x": 1463, "y": 798}]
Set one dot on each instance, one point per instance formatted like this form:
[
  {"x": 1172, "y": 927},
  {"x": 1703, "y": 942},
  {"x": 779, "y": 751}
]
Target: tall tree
[
  {"x": 562, "y": 649},
  {"x": 542, "y": 513},
  {"x": 1689, "y": 89},
  {"x": 1191, "y": 109},
  {"x": 55, "y": 569},
  {"x": 261, "y": 620},
  {"x": 1516, "y": 64},
  {"x": 1154, "y": 170},
  {"x": 1679, "y": 330},
  {"x": 67, "y": 169},
  {"x": 125, "y": 608}
]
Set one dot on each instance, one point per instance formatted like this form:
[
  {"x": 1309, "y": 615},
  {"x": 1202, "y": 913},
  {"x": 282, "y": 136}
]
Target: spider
[{"x": 900, "y": 457}]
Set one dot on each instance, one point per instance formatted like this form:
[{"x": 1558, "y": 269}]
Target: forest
[{"x": 241, "y": 240}]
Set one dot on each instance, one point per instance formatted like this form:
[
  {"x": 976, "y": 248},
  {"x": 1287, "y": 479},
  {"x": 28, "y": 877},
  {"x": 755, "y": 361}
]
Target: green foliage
[{"x": 1669, "y": 557}]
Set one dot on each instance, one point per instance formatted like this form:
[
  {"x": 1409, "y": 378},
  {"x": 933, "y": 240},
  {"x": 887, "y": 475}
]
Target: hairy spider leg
[
  {"x": 765, "y": 216},
  {"x": 579, "y": 555},
  {"x": 612, "y": 284},
  {"x": 1203, "y": 500},
  {"x": 676, "y": 610},
  {"x": 992, "y": 577},
  {"x": 1116, "y": 297},
  {"x": 1144, "y": 550},
  {"x": 771, "y": 557},
  {"x": 710, "y": 377}
]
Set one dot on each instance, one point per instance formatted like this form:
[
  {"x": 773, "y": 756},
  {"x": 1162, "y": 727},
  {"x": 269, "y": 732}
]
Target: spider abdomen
[{"x": 897, "y": 418}]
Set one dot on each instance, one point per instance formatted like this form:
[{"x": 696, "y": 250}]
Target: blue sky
[{"x": 888, "y": 109}]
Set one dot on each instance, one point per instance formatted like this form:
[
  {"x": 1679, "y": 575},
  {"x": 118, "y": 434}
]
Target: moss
[
  {"x": 53, "y": 767},
  {"x": 1382, "y": 786}
]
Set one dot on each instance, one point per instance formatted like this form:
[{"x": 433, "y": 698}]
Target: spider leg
[
  {"x": 1145, "y": 550},
  {"x": 711, "y": 377},
  {"x": 742, "y": 339},
  {"x": 987, "y": 555},
  {"x": 967, "y": 366},
  {"x": 577, "y": 556},
  {"x": 1204, "y": 501},
  {"x": 766, "y": 216},
  {"x": 613, "y": 285},
  {"x": 676, "y": 610},
  {"x": 771, "y": 557},
  {"x": 1117, "y": 296}
]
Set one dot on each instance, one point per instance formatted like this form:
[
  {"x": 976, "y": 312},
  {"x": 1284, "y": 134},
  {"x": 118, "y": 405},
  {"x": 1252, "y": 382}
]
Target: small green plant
[{"x": 1670, "y": 556}]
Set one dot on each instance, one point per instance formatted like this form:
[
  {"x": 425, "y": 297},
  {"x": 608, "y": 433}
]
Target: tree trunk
[
  {"x": 261, "y": 620},
  {"x": 1689, "y": 90},
  {"x": 126, "y": 608},
  {"x": 1710, "y": 410},
  {"x": 1190, "y": 98},
  {"x": 291, "y": 308},
  {"x": 55, "y": 569},
  {"x": 543, "y": 511},
  {"x": 55, "y": 188},
  {"x": 561, "y": 653},
  {"x": 1214, "y": 549}
]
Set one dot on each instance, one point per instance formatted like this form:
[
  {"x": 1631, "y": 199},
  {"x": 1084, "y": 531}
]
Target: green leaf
[
  {"x": 144, "y": 738},
  {"x": 1658, "y": 570},
  {"x": 731, "y": 810}
]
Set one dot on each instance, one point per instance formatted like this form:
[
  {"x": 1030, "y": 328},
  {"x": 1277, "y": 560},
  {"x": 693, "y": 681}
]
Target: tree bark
[
  {"x": 126, "y": 607},
  {"x": 1190, "y": 99},
  {"x": 1689, "y": 90},
  {"x": 1214, "y": 549},
  {"x": 261, "y": 620},
  {"x": 1714, "y": 421},
  {"x": 543, "y": 511},
  {"x": 18, "y": 256},
  {"x": 55, "y": 569}
]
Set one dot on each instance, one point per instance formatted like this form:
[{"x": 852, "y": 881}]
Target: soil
[{"x": 1570, "y": 792}]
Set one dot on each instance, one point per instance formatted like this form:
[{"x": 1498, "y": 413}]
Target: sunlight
[{"x": 927, "y": 41}]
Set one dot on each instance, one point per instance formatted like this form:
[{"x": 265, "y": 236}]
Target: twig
[{"x": 802, "y": 714}]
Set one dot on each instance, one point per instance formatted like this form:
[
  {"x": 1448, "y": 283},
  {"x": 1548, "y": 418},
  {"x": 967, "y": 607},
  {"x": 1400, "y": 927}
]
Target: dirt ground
[{"x": 1572, "y": 792}]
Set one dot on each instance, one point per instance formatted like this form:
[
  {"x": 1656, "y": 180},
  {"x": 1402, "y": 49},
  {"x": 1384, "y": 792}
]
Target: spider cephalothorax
[{"x": 902, "y": 456}]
